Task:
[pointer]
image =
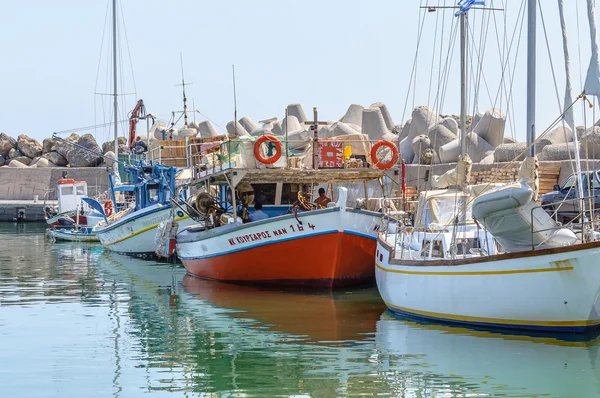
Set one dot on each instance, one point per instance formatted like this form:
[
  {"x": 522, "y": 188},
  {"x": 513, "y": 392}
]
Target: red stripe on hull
[{"x": 330, "y": 260}]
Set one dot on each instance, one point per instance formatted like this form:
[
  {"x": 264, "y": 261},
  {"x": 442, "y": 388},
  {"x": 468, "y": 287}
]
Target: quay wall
[{"x": 25, "y": 183}]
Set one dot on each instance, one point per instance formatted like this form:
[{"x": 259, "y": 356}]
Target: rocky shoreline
[{"x": 28, "y": 152}]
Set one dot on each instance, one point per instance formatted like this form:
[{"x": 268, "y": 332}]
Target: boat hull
[
  {"x": 325, "y": 248},
  {"x": 553, "y": 290},
  {"x": 135, "y": 233},
  {"x": 85, "y": 234}
]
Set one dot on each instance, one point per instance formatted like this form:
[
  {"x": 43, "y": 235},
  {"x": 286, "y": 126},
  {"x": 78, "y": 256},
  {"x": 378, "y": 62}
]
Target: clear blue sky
[{"x": 327, "y": 54}]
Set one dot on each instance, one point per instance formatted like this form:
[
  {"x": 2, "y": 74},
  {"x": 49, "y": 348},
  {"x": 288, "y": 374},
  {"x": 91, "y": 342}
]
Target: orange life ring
[
  {"x": 66, "y": 181},
  {"x": 375, "y": 160},
  {"x": 278, "y": 149},
  {"x": 108, "y": 208}
]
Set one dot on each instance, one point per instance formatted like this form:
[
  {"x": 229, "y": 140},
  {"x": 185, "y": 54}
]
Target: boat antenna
[
  {"x": 183, "y": 84},
  {"x": 234, "y": 102},
  {"x": 115, "y": 104}
]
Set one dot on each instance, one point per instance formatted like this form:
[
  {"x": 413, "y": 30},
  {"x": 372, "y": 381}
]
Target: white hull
[
  {"x": 552, "y": 289},
  {"x": 70, "y": 235},
  {"x": 135, "y": 233}
]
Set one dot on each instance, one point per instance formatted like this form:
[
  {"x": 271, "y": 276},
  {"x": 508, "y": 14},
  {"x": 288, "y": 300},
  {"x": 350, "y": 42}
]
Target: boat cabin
[{"x": 69, "y": 194}]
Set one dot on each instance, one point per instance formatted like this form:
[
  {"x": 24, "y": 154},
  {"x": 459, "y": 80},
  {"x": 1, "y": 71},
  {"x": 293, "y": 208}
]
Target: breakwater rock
[{"x": 25, "y": 151}]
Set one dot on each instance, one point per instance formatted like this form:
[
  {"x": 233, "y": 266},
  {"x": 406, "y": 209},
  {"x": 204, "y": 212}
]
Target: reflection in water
[{"x": 78, "y": 321}]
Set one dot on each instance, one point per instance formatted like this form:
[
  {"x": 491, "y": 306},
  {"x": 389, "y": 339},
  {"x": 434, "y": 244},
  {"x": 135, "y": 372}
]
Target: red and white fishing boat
[
  {"x": 328, "y": 247},
  {"x": 299, "y": 244}
]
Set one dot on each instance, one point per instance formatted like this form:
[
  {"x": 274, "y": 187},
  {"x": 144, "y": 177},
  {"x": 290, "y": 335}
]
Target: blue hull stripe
[
  {"x": 360, "y": 234},
  {"x": 258, "y": 245},
  {"x": 486, "y": 325}
]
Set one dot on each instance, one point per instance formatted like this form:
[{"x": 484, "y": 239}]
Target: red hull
[{"x": 329, "y": 260}]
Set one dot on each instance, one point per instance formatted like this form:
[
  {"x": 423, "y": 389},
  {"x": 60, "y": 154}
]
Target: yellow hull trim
[
  {"x": 467, "y": 273},
  {"x": 141, "y": 231},
  {"x": 508, "y": 322}
]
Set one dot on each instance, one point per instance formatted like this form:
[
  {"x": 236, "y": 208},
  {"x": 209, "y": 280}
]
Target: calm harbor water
[{"x": 76, "y": 321}]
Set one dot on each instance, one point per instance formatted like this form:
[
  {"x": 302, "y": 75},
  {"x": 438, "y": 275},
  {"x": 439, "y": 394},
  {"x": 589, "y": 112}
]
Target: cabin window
[
  {"x": 80, "y": 190},
  {"x": 464, "y": 246},
  {"x": 64, "y": 191},
  {"x": 289, "y": 193},
  {"x": 153, "y": 195},
  {"x": 436, "y": 251},
  {"x": 264, "y": 193}
]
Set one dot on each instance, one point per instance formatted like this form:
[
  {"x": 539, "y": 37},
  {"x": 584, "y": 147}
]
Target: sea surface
[{"x": 78, "y": 321}]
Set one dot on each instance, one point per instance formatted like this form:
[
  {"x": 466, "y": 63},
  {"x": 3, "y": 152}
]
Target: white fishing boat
[{"x": 544, "y": 278}]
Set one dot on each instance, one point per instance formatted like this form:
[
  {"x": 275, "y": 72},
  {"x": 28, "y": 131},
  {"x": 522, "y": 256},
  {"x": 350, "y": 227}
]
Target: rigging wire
[
  {"x": 99, "y": 63},
  {"x": 435, "y": 34},
  {"x": 414, "y": 68}
]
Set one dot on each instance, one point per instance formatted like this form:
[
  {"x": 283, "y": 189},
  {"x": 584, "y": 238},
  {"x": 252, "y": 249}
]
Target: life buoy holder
[
  {"x": 66, "y": 181},
  {"x": 278, "y": 149},
  {"x": 108, "y": 208},
  {"x": 384, "y": 165}
]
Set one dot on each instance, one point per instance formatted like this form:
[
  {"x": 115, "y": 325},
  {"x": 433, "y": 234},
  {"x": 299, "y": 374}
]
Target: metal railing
[{"x": 586, "y": 218}]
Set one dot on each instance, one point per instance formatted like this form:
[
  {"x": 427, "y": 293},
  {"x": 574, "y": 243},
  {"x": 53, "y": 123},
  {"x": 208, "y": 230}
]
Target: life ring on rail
[
  {"x": 384, "y": 165},
  {"x": 108, "y": 208},
  {"x": 278, "y": 149},
  {"x": 66, "y": 181}
]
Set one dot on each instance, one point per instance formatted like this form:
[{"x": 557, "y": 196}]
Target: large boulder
[
  {"x": 64, "y": 147},
  {"x": 508, "y": 152},
  {"x": 420, "y": 144},
  {"x": 340, "y": 128},
  {"x": 277, "y": 127},
  {"x": 450, "y": 152},
  {"x": 297, "y": 111},
  {"x": 560, "y": 135},
  {"x": 387, "y": 116},
  {"x": 249, "y": 125},
  {"x": 16, "y": 163},
  {"x": 373, "y": 124},
  {"x": 29, "y": 146},
  {"x": 353, "y": 115},
  {"x": 109, "y": 146},
  {"x": 79, "y": 157},
  {"x": 6, "y": 144},
  {"x": 491, "y": 127},
  {"x": 564, "y": 151},
  {"x": 49, "y": 145},
  {"x": 43, "y": 162},
  {"x": 423, "y": 118},
  {"x": 451, "y": 124},
  {"x": 206, "y": 129},
  {"x": 477, "y": 148},
  {"x": 591, "y": 142},
  {"x": 234, "y": 128},
  {"x": 291, "y": 123},
  {"x": 55, "y": 158},
  {"x": 2, "y": 160},
  {"x": 440, "y": 135},
  {"x": 405, "y": 130},
  {"x": 14, "y": 153}
]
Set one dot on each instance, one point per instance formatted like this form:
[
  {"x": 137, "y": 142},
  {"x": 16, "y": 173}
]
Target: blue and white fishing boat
[{"x": 141, "y": 206}]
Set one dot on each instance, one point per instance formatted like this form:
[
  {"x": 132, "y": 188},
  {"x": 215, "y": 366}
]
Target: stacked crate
[{"x": 548, "y": 176}]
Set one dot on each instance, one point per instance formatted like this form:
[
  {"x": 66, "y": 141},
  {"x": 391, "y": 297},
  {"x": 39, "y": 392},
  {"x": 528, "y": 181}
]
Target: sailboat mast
[
  {"x": 115, "y": 107},
  {"x": 463, "y": 82},
  {"x": 531, "y": 26}
]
